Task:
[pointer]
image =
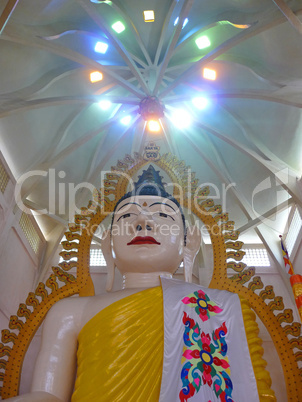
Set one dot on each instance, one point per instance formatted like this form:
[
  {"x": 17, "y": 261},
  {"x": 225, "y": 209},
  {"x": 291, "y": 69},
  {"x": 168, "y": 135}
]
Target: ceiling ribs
[
  {"x": 9, "y": 108},
  {"x": 243, "y": 204},
  {"x": 248, "y": 209},
  {"x": 41, "y": 84},
  {"x": 288, "y": 180},
  {"x": 266, "y": 238},
  {"x": 219, "y": 50},
  {"x": 170, "y": 49},
  {"x": 289, "y": 14},
  {"x": 59, "y": 138},
  {"x": 266, "y": 215},
  {"x": 101, "y": 22},
  {"x": 87, "y": 33},
  {"x": 102, "y": 163},
  {"x": 227, "y": 179},
  {"x": 261, "y": 147},
  {"x": 121, "y": 10},
  {"x": 68, "y": 150},
  {"x": 95, "y": 155},
  {"x": 20, "y": 106},
  {"x": 141, "y": 140},
  {"x": 170, "y": 139},
  {"x": 81, "y": 141},
  {"x": 67, "y": 124},
  {"x": 36, "y": 207},
  {"x": 163, "y": 32},
  {"x": 237, "y": 95},
  {"x": 251, "y": 65},
  {"x": 33, "y": 41},
  {"x": 6, "y": 13}
]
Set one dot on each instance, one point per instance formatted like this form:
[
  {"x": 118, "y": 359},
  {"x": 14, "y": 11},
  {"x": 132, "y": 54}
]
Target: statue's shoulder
[
  {"x": 66, "y": 310},
  {"x": 79, "y": 310},
  {"x": 94, "y": 304}
]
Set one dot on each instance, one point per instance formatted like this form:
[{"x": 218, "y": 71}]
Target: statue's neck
[{"x": 143, "y": 280}]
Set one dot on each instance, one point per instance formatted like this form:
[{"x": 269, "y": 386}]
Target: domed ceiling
[{"x": 246, "y": 141}]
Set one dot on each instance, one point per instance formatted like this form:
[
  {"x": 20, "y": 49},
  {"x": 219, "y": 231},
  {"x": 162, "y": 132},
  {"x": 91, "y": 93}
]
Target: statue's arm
[
  {"x": 56, "y": 363},
  {"x": 55, "y": 368},
  {"x": 35, "y": 397}
]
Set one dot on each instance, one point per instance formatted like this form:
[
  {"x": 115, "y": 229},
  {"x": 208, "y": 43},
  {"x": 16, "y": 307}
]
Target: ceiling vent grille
[
  {"x": 4, "y": 178},
  {"x": 30, "y": 232},
  {"x": 256, "y": 257}
]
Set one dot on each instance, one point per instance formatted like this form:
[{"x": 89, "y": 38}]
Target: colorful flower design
[
  {"x": 205, "y": 362},
  {"x": 204, "y": 307}
]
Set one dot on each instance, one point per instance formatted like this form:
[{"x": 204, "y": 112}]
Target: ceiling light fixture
[
  {"x": 153, "y": 126},
  {"x": 200, "y": 102},
  {"x": 209, "y": 74},
  {"x": 96, "y": 76},
  {"x": 101, "y": 47},
  {"x": 183, "y": 24},
  {"x": 181, "y": 118},
  {"x": 202, "y": 42},
  {"x": 149, "y": 15},
  {"x": 126, "y": 120},
  {"x": 105, "y": 104},
  {"x": 151, "y": 108},
  {"x": 118, "y": 27},
  {"x": 241, "y": 26}
]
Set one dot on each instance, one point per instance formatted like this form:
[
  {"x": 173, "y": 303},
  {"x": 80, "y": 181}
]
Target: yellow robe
[{"x": 120, "y": 352}]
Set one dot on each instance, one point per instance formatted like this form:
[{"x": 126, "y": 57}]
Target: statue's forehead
[{"x": 147, "y": 201}]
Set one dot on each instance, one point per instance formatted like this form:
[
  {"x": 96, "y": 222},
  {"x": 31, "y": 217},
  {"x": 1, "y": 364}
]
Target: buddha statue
[{"x": 146, "y": 342}]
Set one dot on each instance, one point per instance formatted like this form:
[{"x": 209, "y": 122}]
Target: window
[
  {"x": 256, "y": 257},
  {"x": 97, "y": 258}
]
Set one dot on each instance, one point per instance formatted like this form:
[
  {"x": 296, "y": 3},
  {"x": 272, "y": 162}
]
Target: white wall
[{"x": 18, "y": 262}]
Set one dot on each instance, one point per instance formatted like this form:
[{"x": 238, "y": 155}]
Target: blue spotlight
[
  {"x": 181, "y": 118},
  {"x": 126, "y": 120},
  {"x": 101, "y": 47},
  {"x": 200, "y": 102}
]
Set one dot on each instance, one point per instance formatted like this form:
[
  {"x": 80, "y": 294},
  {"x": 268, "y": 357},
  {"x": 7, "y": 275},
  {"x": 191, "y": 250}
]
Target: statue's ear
[
  {"x": 107, "y": 252},
  {"x": 193, "y": 240}
]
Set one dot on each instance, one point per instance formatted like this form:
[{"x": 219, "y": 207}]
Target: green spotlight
[
  {"x": 118, "y": 27},
  {"x": 202, "y": 42}
]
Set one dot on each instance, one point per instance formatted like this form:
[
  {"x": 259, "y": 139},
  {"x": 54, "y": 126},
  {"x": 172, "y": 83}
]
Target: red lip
[{"x": 142, "y": 240}]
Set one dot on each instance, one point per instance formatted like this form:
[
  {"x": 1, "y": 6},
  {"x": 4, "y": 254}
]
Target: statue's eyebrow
[
  {"x": 162, "y": 203},
  {"x": 128, "y": 203}
]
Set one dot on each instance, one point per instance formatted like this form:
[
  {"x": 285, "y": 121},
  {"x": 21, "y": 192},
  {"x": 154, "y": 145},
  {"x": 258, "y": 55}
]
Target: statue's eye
[
  {"x": 166, "y": 216},
  {"x": 125, "y": 216}
]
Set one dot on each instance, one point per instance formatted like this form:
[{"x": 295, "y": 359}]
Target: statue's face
[{"x": 147, "y": 235}]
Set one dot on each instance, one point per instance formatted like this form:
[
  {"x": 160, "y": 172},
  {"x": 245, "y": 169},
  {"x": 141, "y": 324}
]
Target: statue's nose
[
  {"x": 139, "y": 227},
  {"x": 143, "y": 222}
]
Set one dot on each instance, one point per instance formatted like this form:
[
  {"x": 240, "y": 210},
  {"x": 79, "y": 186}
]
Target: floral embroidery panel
[{"x": 204, "y": 359}]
